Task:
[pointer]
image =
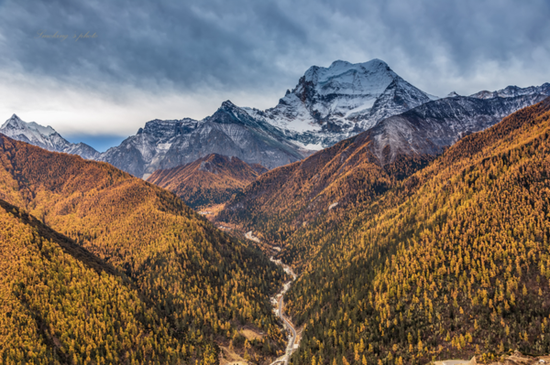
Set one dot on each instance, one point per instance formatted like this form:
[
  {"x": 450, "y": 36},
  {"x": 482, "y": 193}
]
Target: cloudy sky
[{"x": 171, "y": 59}]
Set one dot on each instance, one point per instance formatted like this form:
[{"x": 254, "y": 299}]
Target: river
[{"x": 278, "y": 304}]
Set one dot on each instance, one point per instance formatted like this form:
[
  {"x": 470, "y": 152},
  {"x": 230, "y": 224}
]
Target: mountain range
[
  {"x": 326, "y": 106},
  {"x": 377, "y": 158},
  {"x": 45, "y": 137},
  {"x": 230, "y": 132},
  {"x": 419, "y": 233}
]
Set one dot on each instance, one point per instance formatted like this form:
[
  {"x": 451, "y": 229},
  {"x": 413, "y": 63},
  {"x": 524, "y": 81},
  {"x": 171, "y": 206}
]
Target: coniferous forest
[
  {"x": 151, "y": 280},
  {"x": 277, "y": 182},
  {"x": 450, "y": 262}
]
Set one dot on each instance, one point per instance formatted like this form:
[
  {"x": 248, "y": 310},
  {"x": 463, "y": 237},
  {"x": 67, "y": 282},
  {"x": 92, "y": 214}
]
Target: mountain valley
[
  {"x": 411, "y": 229},
  {"x": 199, "y": 285},
  {"x": 449, "y": 262}
]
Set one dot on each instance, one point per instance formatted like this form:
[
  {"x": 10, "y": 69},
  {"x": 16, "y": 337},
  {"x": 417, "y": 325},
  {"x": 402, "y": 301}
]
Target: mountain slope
[
  {"x": 451, "y": 263},
  {"x": 334, "y": 103},
  {"x": 51, "y": 289},
  {"x": 205, "y": 285},
  {"x": 45, "y": 137},
  {"x": 207, "y": 181},
  {"x": 230, "y": 132},
  {"x": 430, "y": 128},
  {"x": 291, "y": 197},
  {"x": 284, "y": 200}
]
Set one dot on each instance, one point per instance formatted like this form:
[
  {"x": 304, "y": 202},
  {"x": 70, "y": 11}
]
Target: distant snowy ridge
[
  {"x": 513, "y": 91},
  {"x": 230, "y": 131},
  {"x": 45, "y": 137}
]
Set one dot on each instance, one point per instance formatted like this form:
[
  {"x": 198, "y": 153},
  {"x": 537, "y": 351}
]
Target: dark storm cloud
[
  {"x": 260, "y": 48},
  {"x": 468, "y": 31},
  {"x": 222, "y": 43}
]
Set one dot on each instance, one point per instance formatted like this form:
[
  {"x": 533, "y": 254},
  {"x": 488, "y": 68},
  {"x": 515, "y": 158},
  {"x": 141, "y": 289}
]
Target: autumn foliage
[
  {"x": 451, "y": 262},
  {"x": 210, "y": 180},
  {"x": 184, "y": 285}
]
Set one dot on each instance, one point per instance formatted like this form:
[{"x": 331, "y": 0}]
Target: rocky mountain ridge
[
  {"x": 327, "y": 105},
  {"x": 230, "y": 132},
  {"x": 337, "y": 102},
  {"x": 434, "y": 126},
  {"x": 369, "y": 162},
  {"x": 45, "y": 137}
]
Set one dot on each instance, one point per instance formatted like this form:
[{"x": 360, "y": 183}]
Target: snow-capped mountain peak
[
  {"x": 44, "y": 137},
  {"x": 513, "y": 91},
  {"x": 15, "y": 123},
  {"x": 368, "y": 78},
  {"x": 336, "y": 102},
  {"x": 32, "y": 132},
  {"x": 229, "y": 113},
  {"x": 228, "y": 104},
  {"x": 327, "y": 105}
]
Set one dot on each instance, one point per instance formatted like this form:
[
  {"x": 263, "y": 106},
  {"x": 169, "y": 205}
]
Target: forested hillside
[
  {"x": 452, "y": 262},
  {"x": 310, "y": 192},
  {"x": 207, "y": 181},
  {"x": 60, "y": 304},
  {"x": 204, "y": 285},
  {"x": 283, "y": 201},
  {"x": 423, "y": 258}
]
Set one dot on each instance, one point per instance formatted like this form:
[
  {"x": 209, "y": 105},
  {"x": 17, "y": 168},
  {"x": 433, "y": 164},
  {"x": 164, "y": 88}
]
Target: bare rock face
[
  {"x": 229, "y": 132},
  {"x": 431, "y": 127}
]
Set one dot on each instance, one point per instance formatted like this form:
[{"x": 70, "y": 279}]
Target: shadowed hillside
[
  {"x": 287, "y": 199},
  {"x": 61, "y": 304}
]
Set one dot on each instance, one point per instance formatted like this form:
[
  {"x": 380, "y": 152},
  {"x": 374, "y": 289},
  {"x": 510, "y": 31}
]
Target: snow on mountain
[
  {"x": 231, "y": 131},
  {"x": 44, "y": 137},
  {"x": 334, "y": 103},
  {"x": 513, "y": 91},
  {"x": 326, "y": 106},
  {"x": 430, "y": 128}
]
